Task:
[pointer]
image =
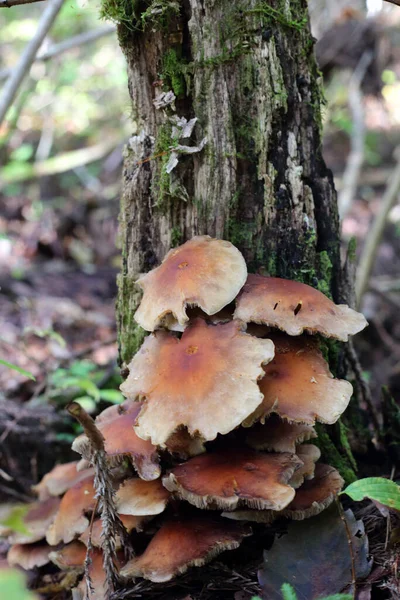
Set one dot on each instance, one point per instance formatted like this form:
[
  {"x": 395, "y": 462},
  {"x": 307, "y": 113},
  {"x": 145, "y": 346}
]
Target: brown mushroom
[
  {"x": 130, "y": 523},
  {"x": 298, "y": 385},
  {"x": 37, "y": 520},
  {"x": 203, "y": 272},
  {"x": 316, "y": 494},
  {"x": 59, "y": 480},
  {"x": 28, "y": 556},
  {"x": 179, "y": 545},
  {"x": 308, "y": 454},
  {"x": 98, "y": 580},
  {"x": 295, "y": 307},
  {"x": 71, "y": 556},
  {"x": 277, "y": 435},
  {"x": 116, "y": 424},
  {"x": 235, "y": 477},
  {"x": 70, "y": 520},
  {"x": 141, "y": 498},
  {"x": 206, "y": 381}
]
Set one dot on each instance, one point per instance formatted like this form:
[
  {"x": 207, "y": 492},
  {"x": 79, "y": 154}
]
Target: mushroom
[
  {"x": 59, "y": 480},
  {"x": 235, "y": 477},
  {"x": 71, "y": 556},
  {"x": 277, "y": 435},
  {"x": 203, "y": 272},
  {"x": 98, "y": 580},
  {"x": 308, "y": 454},
  {"x": 316, "y": 494},
  {"x": 116, "y": 424},
  {"x": 141, "y": 498},
  {"x": 206, "y": 381},
  {"x": 70, "y": 520},
  {"x": 181, "y": 544},
  {"x": 295, "y": 307},
  {"x": 183, "y": 445},
  {"x": 28, "y": 556},
  {"x": 298, "y": 385},
  {"x": 129, "y": 522},
  {"x": 37, "y": 520}
]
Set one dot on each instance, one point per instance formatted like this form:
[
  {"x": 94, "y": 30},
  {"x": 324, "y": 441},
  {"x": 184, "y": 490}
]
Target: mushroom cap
[
  {"x": 295, "y": 307},
  {"x": 250, "y": 514},
  {"x": 308, "y": 454},
  {"x": 37, "y": 520},
  {"x": 298, "y": 385},
  {"x": 277, "y": 435},
  {"x": 235, "y": 477},
  {"x": 28, "y": 556},
  {"x": 203, "y": 272},
  {"x": 206, "y": 381},
  {"x": 71, "y": 556},
  {"x": 316, "y": 494},
  {"x": 59, "y": 480},
  {"x": 141, "y": 498},
  {"x": 129, "y": 522},
  {"x": 181, "y": 544},
  {"x": 116, "y": 423},
  {"x": 70, "y": 520},
  {"x": 97, "y": 590}
]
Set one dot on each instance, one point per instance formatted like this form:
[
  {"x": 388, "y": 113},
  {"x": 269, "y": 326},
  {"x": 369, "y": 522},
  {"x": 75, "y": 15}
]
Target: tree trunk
[{"x": 245, "y": 69}]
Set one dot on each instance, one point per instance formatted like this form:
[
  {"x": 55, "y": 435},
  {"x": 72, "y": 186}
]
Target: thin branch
[
  {"x": 28, "y": 56},
  {"x": 10, "y": 3},
  {"x": 355, "y": 161},
  {"x": 374, "y": 236},
  {"x": 68, "y": 44},
  {"x": 395, "y": 2}
]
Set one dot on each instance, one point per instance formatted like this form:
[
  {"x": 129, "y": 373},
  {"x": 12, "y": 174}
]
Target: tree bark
[{"x": 245, "y": 69}]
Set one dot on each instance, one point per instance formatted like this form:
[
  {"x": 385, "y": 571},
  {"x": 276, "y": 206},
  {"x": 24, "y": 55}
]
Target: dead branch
[
  {"x": 28, "y": 56},
  {"x": 351, "y": 175},
  {"x": 69, "y": 44},
  {"x": 374, "y": 237},
  {"x": 10, "y": 3}
]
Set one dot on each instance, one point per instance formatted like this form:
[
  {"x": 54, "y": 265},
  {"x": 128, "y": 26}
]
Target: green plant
[
  {"x": 12, "y": 585},
  {"x": 5, "y": 363},
  {"x": 382, "y": 490},
  {"x": 84, "y": 382}
]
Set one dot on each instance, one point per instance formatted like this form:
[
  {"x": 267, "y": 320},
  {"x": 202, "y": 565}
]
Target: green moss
[
  {"x": 130, "y": 334},
  {"x": 173, "y": 72},
  {"x": 324, "y": 273},
  {"x": 273, "y": 15},
  {"x": 120, "y": 11},
  {"x": 332, "y": 456},
  {"x": 351, "y": 250},
  {"x": 160, "y": 13},
  {"x": 176, "y": 237},
  {"x": 160, "y": 186},
  {"x": 344, "y": 443}
]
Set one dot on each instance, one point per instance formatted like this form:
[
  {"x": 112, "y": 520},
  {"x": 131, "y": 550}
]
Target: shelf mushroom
[
  {"x": 235, "y": 477},
  {"x": 180, "y": 544},
  {"x": 295, "y": 307},
  {"x": 298, "y": 385},
  {"x": 203, "y": 272},
  {"x": 205, "y": 381}
]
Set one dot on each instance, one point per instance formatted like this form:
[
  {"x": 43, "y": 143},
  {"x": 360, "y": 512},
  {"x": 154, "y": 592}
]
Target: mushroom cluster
[{"x": 215, "y": 431}]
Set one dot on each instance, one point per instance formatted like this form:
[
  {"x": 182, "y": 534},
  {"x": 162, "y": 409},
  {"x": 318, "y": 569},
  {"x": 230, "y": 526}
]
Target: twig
[
  {"x": 12, "y": 85},
  {"x": 374, "y": 237},
  {"x": 69, "y": 44},
  {"x": 61, "y": 163},
  {"x": 351, "y": 549},
  {"x": 356, "y": 158},
  {"x": 395, "y": 2},
  {"x": 111, "y": 523},
  {"x": 10, "y": 3},
  {"x": 352, "y": 357}
]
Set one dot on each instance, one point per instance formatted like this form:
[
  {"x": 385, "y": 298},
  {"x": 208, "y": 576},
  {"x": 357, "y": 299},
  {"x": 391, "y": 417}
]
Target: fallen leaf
[{"x": 314, "y": 557}]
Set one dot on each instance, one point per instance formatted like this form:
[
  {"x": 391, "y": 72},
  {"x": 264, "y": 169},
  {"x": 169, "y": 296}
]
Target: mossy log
[{"x": 246, "y": 71}]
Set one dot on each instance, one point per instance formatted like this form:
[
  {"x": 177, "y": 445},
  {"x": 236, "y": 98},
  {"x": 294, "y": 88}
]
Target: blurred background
[{"x": 61, "y": 148}]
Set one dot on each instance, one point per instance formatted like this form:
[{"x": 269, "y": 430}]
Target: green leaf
[
  {"x": 288, "y": 592},
  {"x": 12, "y": 585},
  {"x": 382, "y": 490},
  {"x": 15, "y": 519},
  {"x": 18, "y": 369},
  {"x": 113, "y": 396},
  {"x": 87, "y": 403}
]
